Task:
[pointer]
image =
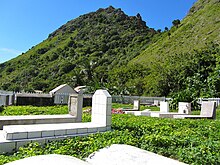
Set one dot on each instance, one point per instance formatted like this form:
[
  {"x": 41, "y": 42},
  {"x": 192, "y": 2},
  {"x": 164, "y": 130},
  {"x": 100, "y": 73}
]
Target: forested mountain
[
  {"x": 81, "y": 52},
  {"x": 109, "y": 49},
  {"x": 184, "y": 60}
]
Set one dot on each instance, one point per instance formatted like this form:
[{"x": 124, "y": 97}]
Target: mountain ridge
[
  {"x": 78, "y": 51},
  {"x": 109, "y": 49}
]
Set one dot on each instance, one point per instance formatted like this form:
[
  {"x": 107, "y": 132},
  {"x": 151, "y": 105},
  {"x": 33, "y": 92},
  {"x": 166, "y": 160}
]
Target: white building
[
  {"x": 62, "y": 89},
  {"x": 61, "y": 94}
]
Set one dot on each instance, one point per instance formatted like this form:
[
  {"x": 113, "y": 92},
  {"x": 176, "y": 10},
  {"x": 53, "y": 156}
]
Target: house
[
  {"x": 62, "y": 89},
  {"x": 61, "y": 94}
]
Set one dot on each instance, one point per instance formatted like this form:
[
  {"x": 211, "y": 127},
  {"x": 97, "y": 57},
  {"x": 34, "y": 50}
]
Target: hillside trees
[
  {"x": 81, "y": 52},
  {"x": 128, "y": 80},
  {"x": 187, "y": 76},
  {"x": 176, "y": 22}
]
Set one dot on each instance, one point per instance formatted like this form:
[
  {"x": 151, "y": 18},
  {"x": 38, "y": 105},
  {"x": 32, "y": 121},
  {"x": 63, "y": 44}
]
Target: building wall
[{"x": 65, "y": 89}]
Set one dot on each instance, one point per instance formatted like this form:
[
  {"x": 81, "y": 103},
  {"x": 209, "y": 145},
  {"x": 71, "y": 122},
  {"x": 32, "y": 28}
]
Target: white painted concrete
[
  {"x": 14, "y": 136},
  {"x": 119, "y": 154},
  {"x": 164, "y": 107},
  {"x": 36, "y": 119},
  {"x": 53, "y": 159},
  {"x": 116, "y": 154}
]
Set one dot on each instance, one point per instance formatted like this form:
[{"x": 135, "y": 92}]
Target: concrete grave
[
  {"x": 121, "y": 154},
  {"x": 164, "y": 107},
  {"x": 101, "y": 108},
  {"x": 116, "y": 154},
  {"x": 54, "y": 159},
  {"x": 184, "y": 107},
  {"x": 36, "y": 119},
  {"x": 17, "y": 135},
  {"x": 75, "y": 106},
  {"x": 136, "y": 106},
  {"x": 208, "y": 111},
  {"x": 156, "y": 102},
  {"x": 75, "y": 115},
  {"x": 145, "y": 112}
]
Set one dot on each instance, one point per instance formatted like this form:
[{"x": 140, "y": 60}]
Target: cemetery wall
[{"x": 34, "y": 99}]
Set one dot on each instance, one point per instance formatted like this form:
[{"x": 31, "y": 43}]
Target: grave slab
[
  {"x": 208, "y": 111},
  {"x": 20, "y": 134},
  {"x": 120, "y": 154}
]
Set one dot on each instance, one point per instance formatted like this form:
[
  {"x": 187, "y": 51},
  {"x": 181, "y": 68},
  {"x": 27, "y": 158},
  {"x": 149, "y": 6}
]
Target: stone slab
[
  {"x": 155, "y": 113},
  {"x": 169, "y": 115},
  {"x": 138, "y": 113},
  {"x": 208, "y": 111},
  {"x": 16, "y": 132},
  {"x": 119, "y": 154},
  {"x": 184, "y": 107},
  {"x": 35, "y": 119},
  {"x": 164, "y": 107},
  {"x": 49, "y": 159},
  {"x": 75, "y": 106}
]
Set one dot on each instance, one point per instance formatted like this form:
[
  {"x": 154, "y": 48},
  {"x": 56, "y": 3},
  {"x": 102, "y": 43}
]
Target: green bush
[{"x": 189, "y": 141}]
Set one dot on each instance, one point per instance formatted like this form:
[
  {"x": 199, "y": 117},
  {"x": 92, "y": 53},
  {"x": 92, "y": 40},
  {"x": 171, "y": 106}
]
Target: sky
[{"x": 26, "y": 23}]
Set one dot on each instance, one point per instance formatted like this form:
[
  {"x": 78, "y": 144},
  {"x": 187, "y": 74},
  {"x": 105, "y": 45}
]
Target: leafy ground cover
[
  {"x": 189, "y": 141},
  {"x": 53, "y": 110},
  {"x": 33, "y": 110}
]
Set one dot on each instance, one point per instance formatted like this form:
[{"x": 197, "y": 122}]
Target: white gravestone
[
  {"x": 184, "y": 108},
  {"x": 75, "y": 106},
  {"x": 101, "y": 108},
  {"x": 156, "y": 102},
  {"x": 164, "y": 107},
  {"x": 136, "y": 105}
]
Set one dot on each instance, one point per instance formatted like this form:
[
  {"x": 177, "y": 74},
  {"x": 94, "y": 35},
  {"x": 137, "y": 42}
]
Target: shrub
[{"x": 189, "y": 141}]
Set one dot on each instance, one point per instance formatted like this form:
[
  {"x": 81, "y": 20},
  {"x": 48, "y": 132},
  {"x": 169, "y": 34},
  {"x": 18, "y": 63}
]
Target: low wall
[
  {"x": 34, "y": 99},
  {"x": 35, "y": 119}
]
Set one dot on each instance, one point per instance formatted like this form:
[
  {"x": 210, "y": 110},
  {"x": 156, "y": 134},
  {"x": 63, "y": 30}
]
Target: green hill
[
  {"x": 186, "y": 57},
  {"x": 199, "y": 27},
  {"x": 109, "y": 49},
  {"x": 81, "y": 52}
]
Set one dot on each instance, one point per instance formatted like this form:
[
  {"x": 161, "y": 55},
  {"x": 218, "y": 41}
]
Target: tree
[
  {"x": 176, "y": 22},
  {"x": 166, "y": 29},
  {"x": 169, "y": 34},
  {"x": 159, "y": 30}
]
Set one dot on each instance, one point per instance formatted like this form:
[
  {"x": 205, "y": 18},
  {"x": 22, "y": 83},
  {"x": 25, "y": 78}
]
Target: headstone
[
  {"x": 156, "y": 102},
  {"x": 75, "y": 106},
  {"x": 4, "y": 99},
  {"x": 101, "y": 108},
  {"x": 164, "y": 107},
  {"x": 136, "y": 105},
  {"x": 184, "y": 108},
  {"x": 208, "y": 108}
]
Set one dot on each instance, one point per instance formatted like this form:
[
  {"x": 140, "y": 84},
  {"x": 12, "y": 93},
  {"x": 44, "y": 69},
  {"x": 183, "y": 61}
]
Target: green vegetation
[
  {"x": 108, "y": 49},
  {"x": 189, "y": 141},
  {"x": 53, "y": 110},
  {"x": 185, "y": 59},
  {"x": 32, "y": 110},
  {"x": 81, "y": 52}
]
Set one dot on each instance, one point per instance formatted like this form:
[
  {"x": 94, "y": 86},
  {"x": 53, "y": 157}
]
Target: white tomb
[
  {"x": 14, "y": 136},
  {"x": 164, "y": 107},
  {"x": 136, "y": 105},
  {"x": 101, "y": 108},
  {"x": 75, "y": 106},
  {"x": 184, "y": 108}
]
